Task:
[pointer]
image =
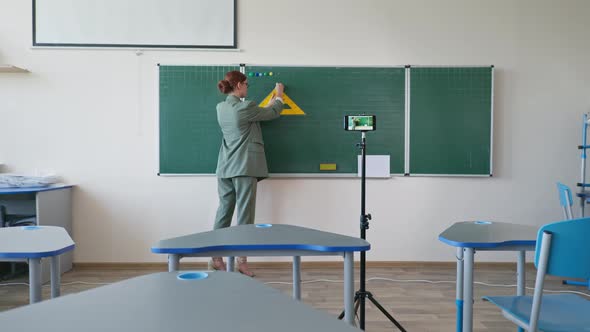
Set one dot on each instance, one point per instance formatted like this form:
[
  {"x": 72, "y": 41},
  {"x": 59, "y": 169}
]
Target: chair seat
[{"x": 559, "y": 312}]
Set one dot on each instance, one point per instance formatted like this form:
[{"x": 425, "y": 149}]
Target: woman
[{"x": 242, "y": 161}]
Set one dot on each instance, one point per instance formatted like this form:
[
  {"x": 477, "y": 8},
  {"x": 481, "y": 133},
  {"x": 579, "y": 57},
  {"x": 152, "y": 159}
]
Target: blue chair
[
  {"x": 566, "y": 202},
  {"x": 563, "y": 249}
]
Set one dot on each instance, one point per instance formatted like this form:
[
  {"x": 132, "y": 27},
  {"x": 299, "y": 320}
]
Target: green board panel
[
  {"x": 451, "y": 120},
  {"x": 189, "y": 133},
  {"x": 295, "y": 144},
  {"x": 300, "y": 143}
]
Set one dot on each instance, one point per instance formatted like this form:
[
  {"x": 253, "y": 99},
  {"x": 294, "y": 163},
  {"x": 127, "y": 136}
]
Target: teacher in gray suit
[{"x": 242, "y": 161}]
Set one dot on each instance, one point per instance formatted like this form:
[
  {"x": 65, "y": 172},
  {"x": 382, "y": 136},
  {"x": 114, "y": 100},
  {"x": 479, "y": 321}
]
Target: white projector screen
[{"x": 135, "y": 23}]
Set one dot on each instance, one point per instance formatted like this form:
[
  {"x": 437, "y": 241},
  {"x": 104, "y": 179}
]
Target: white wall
[{"x": 91, "y": 116}]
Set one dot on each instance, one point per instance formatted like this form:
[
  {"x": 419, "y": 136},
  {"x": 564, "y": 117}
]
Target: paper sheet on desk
[
  {"x": 377, "y": 166},
  {"x": 26, "y": 181}
]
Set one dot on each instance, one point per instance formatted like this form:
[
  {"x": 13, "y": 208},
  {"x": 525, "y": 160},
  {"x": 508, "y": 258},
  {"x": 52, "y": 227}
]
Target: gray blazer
[{"x": 242, "y": 147}]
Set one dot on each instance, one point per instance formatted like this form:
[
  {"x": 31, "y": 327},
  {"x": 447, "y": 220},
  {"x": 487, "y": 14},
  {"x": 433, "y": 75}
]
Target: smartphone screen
[{"x": 360, "y": 122}]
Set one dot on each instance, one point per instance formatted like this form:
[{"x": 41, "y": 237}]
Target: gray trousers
[{"x": 237, "y": 192}]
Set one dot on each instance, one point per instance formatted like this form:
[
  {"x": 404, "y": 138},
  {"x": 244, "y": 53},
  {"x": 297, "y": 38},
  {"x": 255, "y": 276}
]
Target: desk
[
  {"x": 30, "y": 244},
  {"x": 471, "y": 236},
  {"x": 269, "y": 240},
  {"x": 161, "y": 302},
  {"x": 52, "y": 205}
]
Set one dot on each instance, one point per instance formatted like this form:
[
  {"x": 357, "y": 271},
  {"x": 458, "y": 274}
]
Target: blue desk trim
[
  {"x": 487, "y": 244},
  {"x": 36, "y": 254},
  {"x": 266, "y": 247},
  {"x": 31, "y": 190}
]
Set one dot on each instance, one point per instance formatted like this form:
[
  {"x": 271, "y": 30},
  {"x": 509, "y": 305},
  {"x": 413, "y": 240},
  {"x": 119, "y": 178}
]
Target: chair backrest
[
  {"x": 565, "y": 195},
  {"x": 565, "y": 200},
  {"x": 569, "y": 254}
]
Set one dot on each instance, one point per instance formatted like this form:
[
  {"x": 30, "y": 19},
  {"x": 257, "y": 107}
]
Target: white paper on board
[{"x": 377, "y": 166}]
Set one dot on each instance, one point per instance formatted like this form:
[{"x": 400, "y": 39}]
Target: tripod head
[{"x": 365, "y": 221}]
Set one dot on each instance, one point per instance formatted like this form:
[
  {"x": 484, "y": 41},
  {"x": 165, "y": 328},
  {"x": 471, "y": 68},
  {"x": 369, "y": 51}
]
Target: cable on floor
[{"x": 429, "y": 282}]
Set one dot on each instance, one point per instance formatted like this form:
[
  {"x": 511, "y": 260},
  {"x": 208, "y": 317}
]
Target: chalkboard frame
[{"x": 407, "y": 142}]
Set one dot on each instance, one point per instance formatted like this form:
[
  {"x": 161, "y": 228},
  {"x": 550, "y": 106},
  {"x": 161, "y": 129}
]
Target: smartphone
[{"x": 360, "y": 122}]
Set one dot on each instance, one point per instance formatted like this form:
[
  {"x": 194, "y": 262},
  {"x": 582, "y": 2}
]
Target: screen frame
[{"x": 135, "y": 46}]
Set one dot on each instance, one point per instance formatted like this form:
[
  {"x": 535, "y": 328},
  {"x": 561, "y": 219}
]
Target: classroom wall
[{"x": 92, "y": 117}]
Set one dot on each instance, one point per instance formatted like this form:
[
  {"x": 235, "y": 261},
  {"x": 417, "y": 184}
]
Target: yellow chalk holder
[{"x": 327, "y": 167}]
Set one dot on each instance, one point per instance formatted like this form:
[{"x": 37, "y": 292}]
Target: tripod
[{"x": 362, "y": 293}]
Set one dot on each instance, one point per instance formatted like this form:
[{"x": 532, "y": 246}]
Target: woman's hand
[{"x": 279, "y": 87}]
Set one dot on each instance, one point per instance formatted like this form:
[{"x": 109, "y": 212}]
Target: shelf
[{"x": 12, "y": 69}]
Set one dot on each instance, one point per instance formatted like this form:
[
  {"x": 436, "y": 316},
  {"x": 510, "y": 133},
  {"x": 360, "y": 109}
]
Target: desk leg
[
  {"x": 349, "y": 287},
  {"x": 468, "y": 290},
  {"x": 297, "y": 278},
  {"x": 520, "y": 277},
  {"x": 230, "y": 264},
  {"x": 173, "y": 262},
  {"x": 34, "y": 280},
  {"x": 55, "y": 277},
  {"x": 459, "y": 297}
]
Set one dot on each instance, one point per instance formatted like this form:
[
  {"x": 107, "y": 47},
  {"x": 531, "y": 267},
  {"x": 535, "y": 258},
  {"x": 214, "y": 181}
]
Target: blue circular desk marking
[
  {"x": 31, "y": 228},
  {"x": 193, "y": 276},
  {"x": 263, "y": 225},
  {"x": 482, "y": 222}
]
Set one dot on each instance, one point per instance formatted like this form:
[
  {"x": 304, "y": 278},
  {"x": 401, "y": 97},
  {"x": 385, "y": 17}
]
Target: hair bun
[
  {"x": 224, "y": 86},
  {"x": 231, "y": 80}
]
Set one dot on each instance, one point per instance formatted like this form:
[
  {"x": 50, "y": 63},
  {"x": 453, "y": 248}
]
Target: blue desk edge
[
  {"x": 487, "y": 244},
  {"x": 37, "y": 254},
  {"x": 310, "y": 247}
]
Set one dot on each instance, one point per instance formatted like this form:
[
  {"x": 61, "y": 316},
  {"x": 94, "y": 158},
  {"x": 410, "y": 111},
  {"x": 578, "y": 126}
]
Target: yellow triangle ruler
[{"x": 293, "y": 108}]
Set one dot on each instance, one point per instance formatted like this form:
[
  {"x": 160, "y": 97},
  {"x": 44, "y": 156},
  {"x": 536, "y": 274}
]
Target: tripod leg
[
  {"x": 356, "y": 299},
  {"x": 362, "y": 300},
  {"x": 401, "y": 328},
  {"x": 356, "y": 308}
]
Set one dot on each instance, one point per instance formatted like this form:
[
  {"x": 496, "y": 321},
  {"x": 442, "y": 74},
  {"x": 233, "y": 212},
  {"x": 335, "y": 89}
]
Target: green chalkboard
[
  {"x": 449, "y": 131},
  {"x": 450, "y": 120},
  {"x": 295, "y": 144}
]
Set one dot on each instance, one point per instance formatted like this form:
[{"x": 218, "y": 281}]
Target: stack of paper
[{"x": 20, "y": 181}]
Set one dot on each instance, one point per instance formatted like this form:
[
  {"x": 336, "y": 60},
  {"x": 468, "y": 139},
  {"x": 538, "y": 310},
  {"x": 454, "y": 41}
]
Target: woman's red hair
[{"x": 230, "y": 82}]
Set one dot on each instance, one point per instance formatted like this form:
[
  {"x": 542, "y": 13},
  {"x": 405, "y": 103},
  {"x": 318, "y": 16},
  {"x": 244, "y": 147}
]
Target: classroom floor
[{"x": 418, "y": 306}]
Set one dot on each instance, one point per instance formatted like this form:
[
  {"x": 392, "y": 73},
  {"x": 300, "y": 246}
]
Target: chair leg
[
  {"x": 540, "y": 280},
  {"x": 577, "y": 283}
]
